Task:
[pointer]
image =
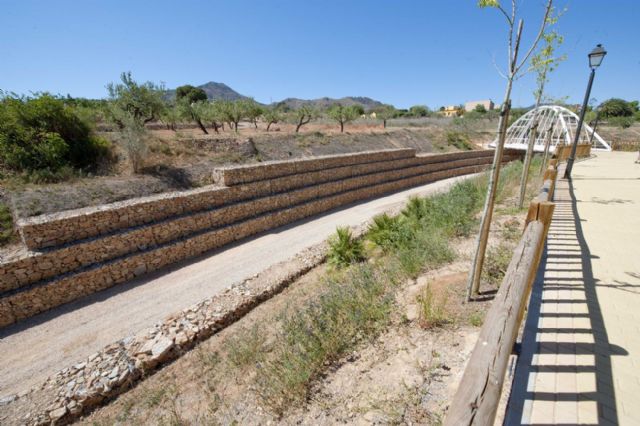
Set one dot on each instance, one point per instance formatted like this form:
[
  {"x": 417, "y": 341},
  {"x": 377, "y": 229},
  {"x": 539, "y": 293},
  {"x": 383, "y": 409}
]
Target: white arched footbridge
[{"x": 556, "y": 124}]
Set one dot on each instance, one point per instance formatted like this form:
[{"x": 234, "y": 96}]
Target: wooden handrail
[{"x": 476, "y": 400}]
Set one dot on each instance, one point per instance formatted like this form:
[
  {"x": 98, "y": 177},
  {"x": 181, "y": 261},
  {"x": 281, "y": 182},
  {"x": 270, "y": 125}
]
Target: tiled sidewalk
[{"x": 580, "y": 357}]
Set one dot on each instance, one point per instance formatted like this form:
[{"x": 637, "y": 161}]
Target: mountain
[
  {"x": 222, "y": 91},
  {"x": 322, "y": 103},
  {"x": 214, "y": 91}
]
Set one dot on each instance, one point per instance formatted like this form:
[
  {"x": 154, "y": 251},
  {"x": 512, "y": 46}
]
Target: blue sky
[{"x": 401, "y": 52}]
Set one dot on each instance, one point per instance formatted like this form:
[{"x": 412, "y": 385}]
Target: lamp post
[
  {"x": 595, "y": 126},
  {"x": 595, "y": 59}
]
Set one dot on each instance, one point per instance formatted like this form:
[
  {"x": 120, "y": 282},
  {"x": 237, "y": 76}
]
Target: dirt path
[{"x": 42, "y": 345}]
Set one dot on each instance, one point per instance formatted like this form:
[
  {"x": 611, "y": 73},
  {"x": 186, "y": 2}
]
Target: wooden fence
[
  {"x": 476, "y": 400},
  {"x": 562, "y": 152}
]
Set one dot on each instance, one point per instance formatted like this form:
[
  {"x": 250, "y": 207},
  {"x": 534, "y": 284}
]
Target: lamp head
[{"x": 596, "y": 56}]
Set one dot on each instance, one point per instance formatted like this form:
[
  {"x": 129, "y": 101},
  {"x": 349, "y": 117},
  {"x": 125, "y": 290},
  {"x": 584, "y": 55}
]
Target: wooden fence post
[{"x": 552, "y": 189}]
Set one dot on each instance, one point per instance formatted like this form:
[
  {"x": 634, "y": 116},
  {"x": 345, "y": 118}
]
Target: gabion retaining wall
[{"x": 179, "y": 226}]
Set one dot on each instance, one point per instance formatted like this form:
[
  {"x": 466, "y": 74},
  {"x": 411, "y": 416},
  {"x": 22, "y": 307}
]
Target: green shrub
[
  {"x": 6, "y": 225},
  {"x": 454, "y": 212},
  {"x": 416, "y": 209},
  {"x": 429, "y": 248},
  {"x": 43, "y": 133},
  {"x": 384, "y": 231},
  {"x": 622, "y": 122},
  {"x": 344, "y": 249},
  {"x": 459, "y": 140}
]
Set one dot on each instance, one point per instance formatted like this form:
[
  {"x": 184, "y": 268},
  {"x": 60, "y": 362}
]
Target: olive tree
[
  {"x": 272, "y": 115},
  {"x": 213, "y": 112},
  {"x": 187, "y": 98},
  {"x": 302, "y": 116},
  {"x": 170, "y": 116},
  {"x": 384, "y": 113},
  {"x": 133, "y": 102},
  {"x": 252, "y": 111},
  {"x": 515, "y": 64},
  {"x": 343, "y": 114},
  {"x": 131, "y": 105},
  {"x": 233, "y": 112}
]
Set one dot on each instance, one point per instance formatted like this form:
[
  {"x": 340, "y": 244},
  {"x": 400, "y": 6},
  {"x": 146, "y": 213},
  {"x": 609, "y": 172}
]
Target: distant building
[
  {"x": 487, "y": 104},
  {"x": 450, "y": 111}
]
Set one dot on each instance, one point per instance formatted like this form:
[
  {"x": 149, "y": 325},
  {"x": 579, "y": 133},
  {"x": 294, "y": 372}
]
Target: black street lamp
[{"x": 595, "y": 59}]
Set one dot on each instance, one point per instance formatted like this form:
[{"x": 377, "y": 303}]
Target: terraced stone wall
[{"x": 179, "y": 226}]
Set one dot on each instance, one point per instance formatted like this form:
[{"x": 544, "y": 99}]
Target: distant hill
[
  {"x": 214, "y": 91},
  {"x": 217, "y": 91},
  {"x": 322, "y": 103}
]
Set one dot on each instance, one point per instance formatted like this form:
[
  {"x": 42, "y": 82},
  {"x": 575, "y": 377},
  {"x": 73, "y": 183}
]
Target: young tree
[
  {"x": 170, "y": 116},
  {"x": 302, "y": 116},
  {"x": 188, "y": 97},
  {"x": 384, "y": 113},
  {"x": 213, "y": 112},
  {"x": 542, "y": 63},
  {"x": 342, "y": 114},
  {"x": 253, "y": 111},
  {"x": 272, "y": 115},
  {"x": 234, "y": 112},
  {"x": 130, "y": 101},
  {"x": 514, "y": 68},
  {"x": 131, "y": 106}
]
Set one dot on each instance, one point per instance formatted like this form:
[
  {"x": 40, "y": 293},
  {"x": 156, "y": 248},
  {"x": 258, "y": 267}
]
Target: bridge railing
[{"x": 478, "y": 395}]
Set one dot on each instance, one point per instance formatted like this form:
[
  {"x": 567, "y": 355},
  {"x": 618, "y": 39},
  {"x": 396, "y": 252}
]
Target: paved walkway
[{"x": 580, "y": 358}]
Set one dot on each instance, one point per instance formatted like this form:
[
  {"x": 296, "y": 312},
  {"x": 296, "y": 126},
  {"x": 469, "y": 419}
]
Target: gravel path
[{"x": 38, "y": 347}]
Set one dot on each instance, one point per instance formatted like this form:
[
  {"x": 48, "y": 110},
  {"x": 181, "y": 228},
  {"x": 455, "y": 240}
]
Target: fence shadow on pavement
[{"x": 564, "y": 374}]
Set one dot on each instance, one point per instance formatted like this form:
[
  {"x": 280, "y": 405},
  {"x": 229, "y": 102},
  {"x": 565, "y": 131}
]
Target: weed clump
[
  {"x": 247, "y": 347},
  {"x": 355, "y": 307},
  {"x": 496, "y": 264},
  {"x": 433, "y": 310}
]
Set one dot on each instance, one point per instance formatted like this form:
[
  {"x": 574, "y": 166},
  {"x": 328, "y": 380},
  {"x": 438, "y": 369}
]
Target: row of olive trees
[
  {"x": 132, "y": 105},
  {"x": 191, "y": 105}
]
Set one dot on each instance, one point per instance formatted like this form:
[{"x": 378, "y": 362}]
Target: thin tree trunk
[
  {"x": 473, "y": 284},
  {"x": 533, "y": 135},
  {"x": 384, "y": 124},
  {"x": 487, "y": 213},
  {"x": 547, "y": 143},
  {"x": 342, "y": 127},
  {"x": 204, "y": 129}
]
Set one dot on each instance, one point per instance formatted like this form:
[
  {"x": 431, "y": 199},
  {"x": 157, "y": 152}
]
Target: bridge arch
[{"x": 554, "y": 121}]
